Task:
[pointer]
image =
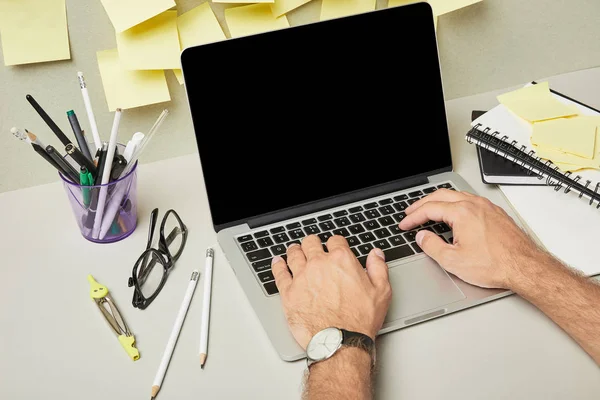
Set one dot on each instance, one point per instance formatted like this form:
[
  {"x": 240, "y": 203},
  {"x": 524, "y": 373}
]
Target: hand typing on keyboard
[
  {"x": 488, "y": 245},
  {"x": 490, "y": 250},
  {"x": 331, "y": 289}
]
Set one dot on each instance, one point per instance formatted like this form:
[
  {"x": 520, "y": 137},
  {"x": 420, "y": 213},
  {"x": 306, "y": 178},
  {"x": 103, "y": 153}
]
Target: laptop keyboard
[{"x": 366, "y": 226}]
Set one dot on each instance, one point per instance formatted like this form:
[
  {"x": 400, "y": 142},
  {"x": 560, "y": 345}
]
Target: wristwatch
[{"x": 328, "y": 341}]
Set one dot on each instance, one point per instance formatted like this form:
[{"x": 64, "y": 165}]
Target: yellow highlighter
[{"x": 99, "y": 293}]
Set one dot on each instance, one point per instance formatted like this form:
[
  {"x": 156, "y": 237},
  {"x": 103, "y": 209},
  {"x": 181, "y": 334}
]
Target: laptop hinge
[{"x": 359, "y": 195}]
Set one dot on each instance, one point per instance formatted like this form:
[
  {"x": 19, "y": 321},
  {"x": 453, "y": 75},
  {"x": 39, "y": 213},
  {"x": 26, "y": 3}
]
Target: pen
[
  {"x": 59, "y": 134},
  {"x": 89, "y": 110},
  {"x": 112, "y": 145},
  {"x": 40, "y": 150},
  {"x": 91, "y": 215},
  {"x": 65, "y": 167},
  {"x": 164, "y": 363},
  {"x": 79, "y": 134},
  {"x": 84, "y": 180},
  {"x": 208, "y": 267},
  {"x": 82, "y": 160}
]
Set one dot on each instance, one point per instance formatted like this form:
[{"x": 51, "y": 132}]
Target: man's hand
[
  {"x": 331, "y": 289},
  {"x": 489, "y": 249}
]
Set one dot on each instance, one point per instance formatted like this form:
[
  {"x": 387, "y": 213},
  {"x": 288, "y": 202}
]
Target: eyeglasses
[{"x": 151, "y": 270}]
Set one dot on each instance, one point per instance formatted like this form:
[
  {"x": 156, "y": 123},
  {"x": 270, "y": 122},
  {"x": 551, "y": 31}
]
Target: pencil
[
  {"x": 89, "y": 110},
  {"x": 164, "y": 363},
  {"x": 206, "y": 306}
]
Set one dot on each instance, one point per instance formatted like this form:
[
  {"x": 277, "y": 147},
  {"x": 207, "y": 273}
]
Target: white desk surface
[{"x": 54, "y": 344}]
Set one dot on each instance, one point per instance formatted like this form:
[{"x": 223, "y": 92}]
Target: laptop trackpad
[{"x": 420, "y": 286}]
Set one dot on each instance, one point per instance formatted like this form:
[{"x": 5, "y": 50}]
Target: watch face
[{"x": 324, "y": 344}]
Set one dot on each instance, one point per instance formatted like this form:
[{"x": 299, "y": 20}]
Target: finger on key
[
  {"x": 296, "y": 259},
  {"x": 431, "y": 211},
  {"x": 283, "y": 278},
  {"x": 312, "y": 247},
  {"x": 337, "y": 241},
  {"x": 438, "y": 195}
]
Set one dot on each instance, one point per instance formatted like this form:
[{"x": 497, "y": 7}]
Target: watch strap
[{"x": 360, "y": 340}]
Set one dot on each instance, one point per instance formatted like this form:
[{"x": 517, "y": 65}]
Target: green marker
[{"x": 86, "y": 179}]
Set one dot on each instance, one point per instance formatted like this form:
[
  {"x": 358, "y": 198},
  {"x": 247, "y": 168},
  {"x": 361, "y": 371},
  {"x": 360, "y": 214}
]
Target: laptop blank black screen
[{"x": 315, "y": 111}]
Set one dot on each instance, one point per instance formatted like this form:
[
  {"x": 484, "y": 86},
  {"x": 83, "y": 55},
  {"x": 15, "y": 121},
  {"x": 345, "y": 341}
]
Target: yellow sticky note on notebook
[
  {"x": 129, "y": 89},
  {"x": 253, "y": 19},
  {"x": 395, "y": 3},
  {"x": 153, "y": 44},
  {"x": 569, "y": 167},
  {"x": 125, "y": 14},
  {"x": 179, "y": 75},
  {"x": 536, "y": 103},
  {"x": 341, "y": 8},
  {"x": 569, "y": 135},
  {"x": 34, "y": 31},
  {"x": 280, "y": 7},
  {"x": 199, "y": 26},
  {"x": 243, "y": 1},
  {"x": 565, "y": 158}
]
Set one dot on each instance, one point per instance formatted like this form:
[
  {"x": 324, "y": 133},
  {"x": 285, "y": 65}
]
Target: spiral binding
[{"x": 532, "y": 163}]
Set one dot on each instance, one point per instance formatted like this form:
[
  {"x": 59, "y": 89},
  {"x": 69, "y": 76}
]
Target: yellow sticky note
[
  {"x": 341, "y": 8},
  {"x": 179, "y": 75},
  {"x": 243, "y": 1},
  {"x": 34, "y": 31},
  {"x": 565, "y": 158},
  {"x": 281, "y": 7},
  {"x": 570, "y": 135},
  {"x": 129, "y": 89},
  {"x": 153, "y": 44},
  {"x": 199, "y": 26},
  {"x": 536, "y": 103},
  {"x": 125, "y": 14},
  {"x": 569, "y": 167},
  {"x": 441, "y": 7},
  {"x": 395, "y": 3},
  {"x": 253, "y": 19}
]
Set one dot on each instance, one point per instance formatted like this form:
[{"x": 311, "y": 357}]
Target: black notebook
[{"x": 498, "y": 170}]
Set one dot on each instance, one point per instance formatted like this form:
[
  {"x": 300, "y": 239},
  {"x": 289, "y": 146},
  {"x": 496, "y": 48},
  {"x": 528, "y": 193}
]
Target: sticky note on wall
[
  {"x": 281, "y": 7},
  {"x": 253, "y": 19},
  {"x": 125, "y": 14},
  {"x": 153, "y": 44},
  {"x": 341, "y": 8},
  {"x": 199, "y": 26},
  {"x": 34, "y": 31},
  {"x": 129, "y": 89}
]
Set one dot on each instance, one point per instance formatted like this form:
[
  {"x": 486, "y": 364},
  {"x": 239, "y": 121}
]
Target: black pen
[
  {"x": 79, "y": 134},
  {"x": 82, "y": 160},
  {"x": 91, "y": 215},
  {"x": 101, "y": 162},
  {"x": 59, "y": 134},
  {"x": 40, "y": 150},
  {"x": 65, "y": 167}
]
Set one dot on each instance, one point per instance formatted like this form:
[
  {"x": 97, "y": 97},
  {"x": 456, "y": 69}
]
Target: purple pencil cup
[{"x": 119, "y": 219}]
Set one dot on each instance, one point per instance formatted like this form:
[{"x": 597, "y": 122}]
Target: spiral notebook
[{"x": 564, "y": 214}]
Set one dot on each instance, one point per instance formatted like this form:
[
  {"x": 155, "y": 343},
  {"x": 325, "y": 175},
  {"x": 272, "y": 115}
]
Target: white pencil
[
  {"x": 164, "y": 363},
  {"x": 206, "y": 306},
  {"x": 89, "y": 110},
  {"x": 110, "y": 155}
]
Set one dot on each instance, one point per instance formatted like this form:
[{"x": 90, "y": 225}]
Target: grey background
[{"x": 490, "y": 45}]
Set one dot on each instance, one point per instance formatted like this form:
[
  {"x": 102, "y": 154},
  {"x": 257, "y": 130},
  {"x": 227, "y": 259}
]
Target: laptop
[{"x": 329, "y": 128}]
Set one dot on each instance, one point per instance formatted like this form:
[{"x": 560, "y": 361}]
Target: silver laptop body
[{"x": 409, "y": 137}]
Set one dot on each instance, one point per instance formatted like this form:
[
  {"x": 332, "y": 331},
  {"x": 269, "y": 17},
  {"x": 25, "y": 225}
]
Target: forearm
[
  {"x": 569, "y": 299},
  {"x": 346, "y": 375}
]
